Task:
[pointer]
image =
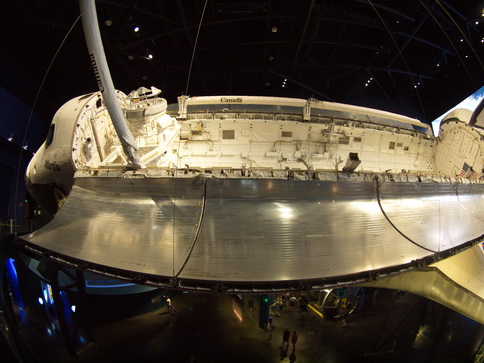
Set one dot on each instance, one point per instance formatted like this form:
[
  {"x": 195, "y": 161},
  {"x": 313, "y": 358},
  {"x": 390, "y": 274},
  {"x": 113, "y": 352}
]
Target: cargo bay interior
[{"x": 418, "y": 58}]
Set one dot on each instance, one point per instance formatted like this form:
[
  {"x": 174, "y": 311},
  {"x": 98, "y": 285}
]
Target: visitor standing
[
  {"x": 294, "y": 340},
  {"x": 270, "y": 328},
  {"x": 285, "y": 339}
]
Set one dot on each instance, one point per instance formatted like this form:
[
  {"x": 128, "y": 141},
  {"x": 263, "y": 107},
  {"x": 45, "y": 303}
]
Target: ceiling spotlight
[
  {"x": 25, "y": 147},
  {"x": 477, "y": 23},
  {"x": 150, "y": 56},
  {"x": 462, "y": 40},
  {"x": 130, "y": 57},
  {"x": 136, "y": 29},
  {"x": 274, "y": 29},
  {"x": 108, "y": 22},
  {"x": 10, "y": 139}
]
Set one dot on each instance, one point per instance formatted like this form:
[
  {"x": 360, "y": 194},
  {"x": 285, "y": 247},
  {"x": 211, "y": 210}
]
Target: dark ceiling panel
[{"x": 417, "y": 57}]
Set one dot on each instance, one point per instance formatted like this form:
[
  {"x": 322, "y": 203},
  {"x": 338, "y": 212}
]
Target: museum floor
[{"x": 206, "y": 329}]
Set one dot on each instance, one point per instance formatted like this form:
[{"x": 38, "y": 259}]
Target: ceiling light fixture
[{"x": 136, "y": 29}]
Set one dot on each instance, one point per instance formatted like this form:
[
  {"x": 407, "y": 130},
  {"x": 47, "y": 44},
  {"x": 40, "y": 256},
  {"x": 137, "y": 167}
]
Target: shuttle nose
[
  {"x": 42, "y": 191},
  {"x": 44, "y": 195}
]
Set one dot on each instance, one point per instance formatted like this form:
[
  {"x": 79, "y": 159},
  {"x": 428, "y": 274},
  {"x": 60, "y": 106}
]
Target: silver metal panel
[
  {"x": 127, "y": 224},
  {"x": 273, "y": 230},
  {"x": 258, "y": 230},
  {"x": 436, "y": 216}
]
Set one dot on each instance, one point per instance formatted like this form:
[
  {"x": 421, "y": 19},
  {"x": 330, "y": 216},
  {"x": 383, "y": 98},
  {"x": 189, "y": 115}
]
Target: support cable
[
  {"x": 174, "y": 206},
  {"x": 199, "y": 228},
  {"x": 195, "y": 46},
  {"x": 450, "y": 40},
  {"x": 33, "y": 107},
  {"x": 377, "y": 183},
  {"x": 401, "y": 54}
]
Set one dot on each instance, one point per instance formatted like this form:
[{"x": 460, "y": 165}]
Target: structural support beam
[
  {"x": 456, "y": 282},
  {"x": 301, "y": 40}
]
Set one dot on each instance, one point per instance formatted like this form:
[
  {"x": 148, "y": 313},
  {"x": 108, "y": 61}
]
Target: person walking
[
  {"x": 172, "y": 313},
  {"x": 347, "y": 312},
  {"x": 285, "y": 339},
  {"x": 269, "y": 321},
  {"x": 294, "y": 340},
  {"x": 270, "y": 328}
]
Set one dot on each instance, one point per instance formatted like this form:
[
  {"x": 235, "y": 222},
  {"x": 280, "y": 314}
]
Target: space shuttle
[{"x": 260, "y": 194}]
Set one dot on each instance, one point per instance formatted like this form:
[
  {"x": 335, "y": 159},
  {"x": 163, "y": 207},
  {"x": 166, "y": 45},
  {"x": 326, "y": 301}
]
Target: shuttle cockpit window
[{"x": 50, "y": 136}]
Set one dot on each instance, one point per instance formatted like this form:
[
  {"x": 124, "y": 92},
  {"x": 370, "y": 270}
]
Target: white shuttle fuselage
[{"x": 252, "y": 136}]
